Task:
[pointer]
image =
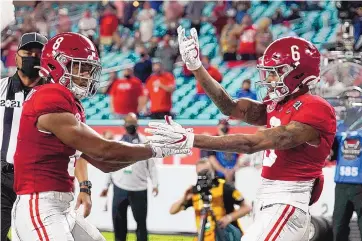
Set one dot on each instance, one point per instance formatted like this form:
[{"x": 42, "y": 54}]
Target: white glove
[
  {"x": 170, "y": 134},
  {"x": 189, "y": 48},
  {"x": 161, "y": 152}
]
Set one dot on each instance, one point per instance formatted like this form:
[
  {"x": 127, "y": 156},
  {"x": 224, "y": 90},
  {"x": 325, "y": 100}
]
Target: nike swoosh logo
[
  {"x": 167, "y": 119},
  {"x": 197, "y": 53},
  {"x": 181, "y": 140}
]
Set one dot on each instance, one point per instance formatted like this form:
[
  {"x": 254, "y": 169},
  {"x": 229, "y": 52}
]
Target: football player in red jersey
[
  {"x": 299, "y": 135},
  {"x": 52, "y": 135}
]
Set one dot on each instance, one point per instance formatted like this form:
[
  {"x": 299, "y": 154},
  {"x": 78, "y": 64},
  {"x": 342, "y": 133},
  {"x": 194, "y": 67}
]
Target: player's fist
[{"x": 189, "y": 48}]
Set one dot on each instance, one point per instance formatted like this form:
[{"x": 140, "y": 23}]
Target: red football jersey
[
  {"x": 42, "y": 162},
  {"x": 304, "y": 162}
]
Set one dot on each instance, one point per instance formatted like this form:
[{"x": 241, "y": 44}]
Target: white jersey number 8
[{"x": 269, "y": 156}]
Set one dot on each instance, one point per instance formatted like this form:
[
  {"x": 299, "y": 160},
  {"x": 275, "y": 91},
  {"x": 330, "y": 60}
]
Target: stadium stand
[{"x": 319, "y": 27}]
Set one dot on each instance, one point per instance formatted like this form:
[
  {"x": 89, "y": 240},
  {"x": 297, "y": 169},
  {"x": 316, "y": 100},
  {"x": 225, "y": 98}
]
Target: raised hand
[{"x": 189, "y": 48}]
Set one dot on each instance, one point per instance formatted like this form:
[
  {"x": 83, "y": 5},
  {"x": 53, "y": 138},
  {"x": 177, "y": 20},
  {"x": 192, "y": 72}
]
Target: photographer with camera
[{"x": 213, "y": 201}]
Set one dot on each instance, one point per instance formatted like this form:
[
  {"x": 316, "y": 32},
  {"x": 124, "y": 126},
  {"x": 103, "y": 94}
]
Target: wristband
[
  {"x": 86, "y": 183},
  {"x": 86, "y": 190}
]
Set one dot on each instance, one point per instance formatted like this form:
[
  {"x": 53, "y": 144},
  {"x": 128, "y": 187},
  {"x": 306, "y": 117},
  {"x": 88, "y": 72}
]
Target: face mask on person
[
  {"x": 131, "y": 129},
  {"x": 127, "y": 76},
  {"x": 28, "y": 64}
]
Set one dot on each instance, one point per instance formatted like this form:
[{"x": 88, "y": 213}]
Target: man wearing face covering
[
  {"x": 130, "y": 187},
  {"x": 13, "y": 91},
  {"x": 224, "y": 162}
]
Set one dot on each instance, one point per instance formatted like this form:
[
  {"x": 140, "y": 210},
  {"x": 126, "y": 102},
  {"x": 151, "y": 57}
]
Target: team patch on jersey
[
  {"x": 351, "y": 149},
  {"x": 297, "y": 105}
]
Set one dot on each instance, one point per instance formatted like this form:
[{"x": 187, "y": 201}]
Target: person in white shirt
[{"x": 130, "y": 187}]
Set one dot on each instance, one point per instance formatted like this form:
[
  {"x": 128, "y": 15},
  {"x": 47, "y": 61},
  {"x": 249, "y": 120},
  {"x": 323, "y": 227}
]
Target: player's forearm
[
  {"x": 81, "y": 170},
  {"x": 117, "y": 155},
  {"x": 215, "y": 91},
  {"x": 241, "y": 143},
  {"x": 127, "y": 153}
]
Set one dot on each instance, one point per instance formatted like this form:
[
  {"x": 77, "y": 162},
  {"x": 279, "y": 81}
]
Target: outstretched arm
[
  {"x": 278, "y": 138},
  {"x": 246, "y": 110},
  {"x": 104, "y": 154},
  {"x": 250, "y": 111}
]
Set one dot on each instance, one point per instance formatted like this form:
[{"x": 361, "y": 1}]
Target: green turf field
[{"x": 152, "y": 237}]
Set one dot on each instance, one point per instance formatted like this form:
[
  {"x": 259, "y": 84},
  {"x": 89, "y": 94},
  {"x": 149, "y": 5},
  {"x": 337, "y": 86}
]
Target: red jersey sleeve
[
  {"x": 51, "y": 101},
  {"x": 318, "y": 114}
]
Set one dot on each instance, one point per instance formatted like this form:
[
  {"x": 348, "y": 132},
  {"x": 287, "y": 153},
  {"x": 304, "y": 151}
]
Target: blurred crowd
[{"x": 146, "y": 88}]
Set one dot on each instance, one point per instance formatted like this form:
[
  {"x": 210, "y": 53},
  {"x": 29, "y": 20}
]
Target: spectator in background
[
  {"x": 224, "y": 162},
  {"x": 173, "y": 11},
  {"x": 133, "y": 42},
  {"x": 219, "y": 16},
  {"x": 228, "y": 40},
  {"x": 41, "y": 24},
  {"x": 357, "y": 24},
  {"x": 130, "y": 187},
  {"x": 108, "y": 26},
  {"x": 241, "y": 8},
  {"x": 125, "y": 94},
  {"x": 159, "y": 88},
  {"x": 213, "y": 72},
  {"x": 28, "y": 25},
  {"x": 167, "y": 53},
  {"x": 194, "y": 13},
  {"x": 152, "y": 48},
  {"x": 295, "y": 14},
  {"x": 289, "y": 31},
  {"x": 9, "y": 48},
  {"x": 247, "y": 41},
  {"x": 112, "y": 77},
  {"x": 245, "y": 91},
  {"x": 64, "y": 23},
  {"x": 119, "y": 5},
  {"x": 277, "y": 17},
  {"x": 129, "y": 11},
  {"x": 143, "y": 68},
  {"x": 156, "y": 5},
  {"x": 146, "y": 18},
  {"x": 87, "y": 23},
  {"x": 264, "y": 36}
]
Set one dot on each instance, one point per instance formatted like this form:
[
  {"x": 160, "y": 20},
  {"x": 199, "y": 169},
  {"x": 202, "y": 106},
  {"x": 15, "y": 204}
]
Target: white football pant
[
  {"x": 47, "y": 216},
  {"x": 279, "y": 222}
]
